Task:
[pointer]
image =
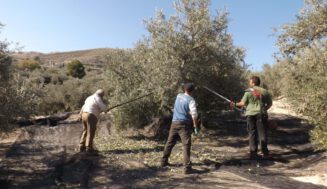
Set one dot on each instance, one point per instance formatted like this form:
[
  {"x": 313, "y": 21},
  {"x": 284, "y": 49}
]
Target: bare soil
[{"x": 47, "y": 157}]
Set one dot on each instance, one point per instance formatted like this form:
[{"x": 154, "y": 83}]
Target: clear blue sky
[{"x": 66, "y": 25}]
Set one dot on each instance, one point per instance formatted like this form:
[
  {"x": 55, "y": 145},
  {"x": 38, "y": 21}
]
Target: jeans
[
  {"x": 257, "y": 128},
  {"x": 184, "y": 131}
]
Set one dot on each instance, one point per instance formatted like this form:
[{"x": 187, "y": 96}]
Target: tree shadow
[
  {"x": 134, "y": 151},
  {"x": 30, "y": 165},
  {"x": 233, "y": 133},
  {"x": 290, "y": 131}
]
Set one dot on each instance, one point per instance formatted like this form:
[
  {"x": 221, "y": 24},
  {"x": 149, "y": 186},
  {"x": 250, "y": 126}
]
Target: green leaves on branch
[
  {"x": 190, "y": 46},
  {"x": 303, "y": 66},
  {"x": 311, "y": 26}
]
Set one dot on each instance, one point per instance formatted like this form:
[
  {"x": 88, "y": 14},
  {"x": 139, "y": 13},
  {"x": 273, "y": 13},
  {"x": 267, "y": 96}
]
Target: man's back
[
  {"x": 255, "y": 99},
  {"x": 181, "y": 108},
  {"x": 94, "y": 105}
]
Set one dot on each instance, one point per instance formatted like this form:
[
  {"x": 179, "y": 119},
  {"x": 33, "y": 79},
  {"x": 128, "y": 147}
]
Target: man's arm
[
  {"x": 241, "y": 104},
  {"x": 194, "y": 113},
  {"x": 103, "y": 107}
]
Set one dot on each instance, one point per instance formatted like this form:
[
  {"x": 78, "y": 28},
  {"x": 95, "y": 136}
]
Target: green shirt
[{"x": 255, "y": 105}]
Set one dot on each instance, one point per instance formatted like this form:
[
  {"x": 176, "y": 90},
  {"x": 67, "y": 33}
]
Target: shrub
[
  {"x": 29, "y": 64},
  {"x": 69, "y": 96},
  {"x": 76, "y": 69}
]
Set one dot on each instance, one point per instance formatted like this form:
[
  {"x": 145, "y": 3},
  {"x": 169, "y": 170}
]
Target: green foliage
[
  {"x": 190, "y": 46},
  {"x": 124, "y": 81},
  {"x": 30, "y": 64},
  {"x": 66, "y": 97},
  {"x": 16, "y": 99},
  {"x": 307, "y": 87},
  {"x": 272, "y": 78},
  {"x": 5, "y": 62},
  {"x": 311, "y": 25},
  {"x": 303, "y": 47},
  {"x": 76, "y": 69}
]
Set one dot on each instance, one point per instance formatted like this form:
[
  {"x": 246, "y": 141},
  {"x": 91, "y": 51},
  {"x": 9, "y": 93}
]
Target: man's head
[
  {"x": 254, "y": 81},
  {"x": 100, "y": 92},
  {"x": 189, "y": 88}
]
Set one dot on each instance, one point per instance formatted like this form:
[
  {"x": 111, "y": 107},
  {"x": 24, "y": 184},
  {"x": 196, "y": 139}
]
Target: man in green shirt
[{"x": 257, "y": 101}]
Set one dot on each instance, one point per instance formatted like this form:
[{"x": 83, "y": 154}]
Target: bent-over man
[{"x": 90, "y": 113}]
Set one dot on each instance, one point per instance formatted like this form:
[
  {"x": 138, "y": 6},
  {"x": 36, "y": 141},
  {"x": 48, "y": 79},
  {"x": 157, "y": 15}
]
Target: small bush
[
  {"x": 29, "y": 64},
  {"x": 76, "y": 69},
  {"x": 69, "y": 96}
]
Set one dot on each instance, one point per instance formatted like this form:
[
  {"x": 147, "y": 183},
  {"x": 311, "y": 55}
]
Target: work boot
[
  {"x": 82, "y": 148},
  {"x": 266, "y": 155},
  {"x": 92, "y": 152},
  {"x": 254, "y": 156},
  {"x": 164, "y": 164}
]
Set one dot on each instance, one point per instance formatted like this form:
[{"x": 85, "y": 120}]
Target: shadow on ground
[{"x": 44, "y": 157}]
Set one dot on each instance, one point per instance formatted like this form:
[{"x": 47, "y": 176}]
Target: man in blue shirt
[{"x": 184, "y": 120}]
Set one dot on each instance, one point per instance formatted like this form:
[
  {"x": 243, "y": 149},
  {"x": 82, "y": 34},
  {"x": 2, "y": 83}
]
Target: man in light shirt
[
  {"x": 90, "y": 113},
  {"x": 184, "y": 121}
]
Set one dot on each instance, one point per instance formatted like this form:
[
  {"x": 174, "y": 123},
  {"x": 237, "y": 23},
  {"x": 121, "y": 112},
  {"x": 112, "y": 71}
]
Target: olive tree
[
  {"x": 189, "y": 46},
  {"x": 15, "y": 98},
  {"x": 303, "y": 48}
]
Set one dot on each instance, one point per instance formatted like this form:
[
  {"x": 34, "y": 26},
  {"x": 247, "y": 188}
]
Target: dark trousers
[
  {"x": 257, "y": 128},
  {"x": 183, "y": 131},
  {"x": 89, "y": 127}
]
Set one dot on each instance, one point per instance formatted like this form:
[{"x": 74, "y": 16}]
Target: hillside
[{"x": 94, "y": 57}]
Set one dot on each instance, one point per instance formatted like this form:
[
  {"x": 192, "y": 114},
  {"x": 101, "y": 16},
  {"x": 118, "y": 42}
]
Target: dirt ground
[{"x": 46, "y": 157}]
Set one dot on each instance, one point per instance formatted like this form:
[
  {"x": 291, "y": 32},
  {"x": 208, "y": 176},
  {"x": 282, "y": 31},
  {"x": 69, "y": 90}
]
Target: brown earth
[
  {"x": 91, "y": 57},
  {"x": 46, "y": 157}
]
